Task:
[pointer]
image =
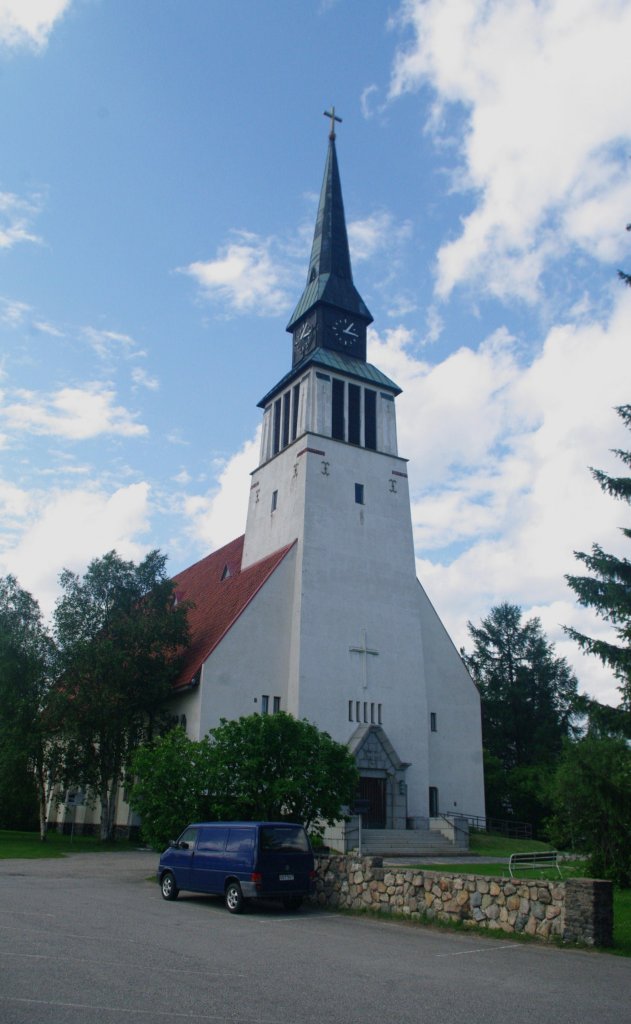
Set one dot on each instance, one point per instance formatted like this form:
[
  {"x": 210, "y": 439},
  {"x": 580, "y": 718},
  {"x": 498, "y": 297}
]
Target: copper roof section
[
  {"x": 329, "y": 278},
  {"x": 219, "y": 591}
]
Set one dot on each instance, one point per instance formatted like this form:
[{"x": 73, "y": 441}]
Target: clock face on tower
[
  {"x": 304, "y": 339},
  {"x": 347, "y": 331}
]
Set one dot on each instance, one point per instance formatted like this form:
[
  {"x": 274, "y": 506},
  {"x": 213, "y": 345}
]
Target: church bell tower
[{"x": 359, "y": 639}]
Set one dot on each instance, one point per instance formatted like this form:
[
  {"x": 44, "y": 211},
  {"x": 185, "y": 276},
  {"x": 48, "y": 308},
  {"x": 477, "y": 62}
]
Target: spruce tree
[
  {"x": 607, "y": 588},
  {"x": 529, "y": 706}
]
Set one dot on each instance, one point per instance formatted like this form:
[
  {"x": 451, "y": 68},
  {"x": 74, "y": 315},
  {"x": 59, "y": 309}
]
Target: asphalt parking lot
[{"x": 88, "y": 938}]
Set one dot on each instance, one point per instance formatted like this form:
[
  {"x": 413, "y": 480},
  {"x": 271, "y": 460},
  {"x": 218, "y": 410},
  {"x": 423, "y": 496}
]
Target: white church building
[{"x": 317, "y": 610}]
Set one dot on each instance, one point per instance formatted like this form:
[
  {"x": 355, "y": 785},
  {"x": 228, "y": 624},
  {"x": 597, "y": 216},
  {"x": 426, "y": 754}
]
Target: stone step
[{"x": 404, "y": 842}]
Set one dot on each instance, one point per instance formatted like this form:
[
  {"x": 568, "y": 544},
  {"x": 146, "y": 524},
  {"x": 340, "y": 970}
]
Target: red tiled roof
[{"x": 218, "y": 602}]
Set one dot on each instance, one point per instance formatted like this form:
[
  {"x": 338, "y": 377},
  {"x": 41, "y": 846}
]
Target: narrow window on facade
[
  {"x": 337, "y": 417},
  {"x": 379, "y": 714},
  {"x": 370, "y": 419},
  {"x": 354, "y": 430},
  {"x": 359, "y": 494},
  {"x": 264, "y": 704},
  {"x": 350, "y": 711},
  {"x": 286, "y": 407},
  {"x": 294, "y": 411},
  {"x": 357, "y": 718},
  {"x": 372, "y": 714},
  {"x": 276, "y": 704},
  {"x": 433, "y": 802},
  {"x": 432, "y": 721},
  {"x": 274, "y": 500},
  {"x": 276, "y": 429},
  {"x": 365, "y": 711}
]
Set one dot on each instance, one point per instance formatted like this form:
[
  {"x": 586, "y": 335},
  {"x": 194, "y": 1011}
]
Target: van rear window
[{"x": 284, "y": 839}]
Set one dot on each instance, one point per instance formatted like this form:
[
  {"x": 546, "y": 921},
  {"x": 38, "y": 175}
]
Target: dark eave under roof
[{"x": 338, "y": 363}]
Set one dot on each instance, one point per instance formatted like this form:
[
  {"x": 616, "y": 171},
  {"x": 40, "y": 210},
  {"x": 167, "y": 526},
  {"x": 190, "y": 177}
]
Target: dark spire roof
[{"x": 330, "y": 280}]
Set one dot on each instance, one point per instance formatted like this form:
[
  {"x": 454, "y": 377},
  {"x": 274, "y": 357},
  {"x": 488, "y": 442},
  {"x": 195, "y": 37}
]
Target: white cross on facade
[{"x": 365, "y": 651}]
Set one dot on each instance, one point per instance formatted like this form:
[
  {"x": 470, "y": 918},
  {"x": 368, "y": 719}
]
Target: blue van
[{"x": 240, "y": 860}]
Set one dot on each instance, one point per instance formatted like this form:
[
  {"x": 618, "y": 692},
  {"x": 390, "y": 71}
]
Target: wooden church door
[{"x": 374, "y": 791}]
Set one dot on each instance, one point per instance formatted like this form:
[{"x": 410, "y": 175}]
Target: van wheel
[
  {"x": 168, "y": 888},
  {"x": 292, "y": 902},
  {"x": 234, "y": 898}
]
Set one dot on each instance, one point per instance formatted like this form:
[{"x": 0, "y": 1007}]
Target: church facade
[{"x": 317, "y": 610}]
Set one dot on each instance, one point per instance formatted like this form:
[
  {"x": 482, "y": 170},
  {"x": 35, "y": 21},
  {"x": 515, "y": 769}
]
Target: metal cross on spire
[{"x": 331, "y": 113}]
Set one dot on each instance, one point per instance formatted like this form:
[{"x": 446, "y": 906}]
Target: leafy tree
[
  {"x": 118, "y": 632},
  {"x": 608, "y": 587},
  {"x": 591, "y": 798},
  {"x": 260, "y": 767},
  {"x": 171, "y": 788},
  {"x": 26, "y": 668},
  {"x": 529, "y": 704},
  {"x": 276, "y": 766}
]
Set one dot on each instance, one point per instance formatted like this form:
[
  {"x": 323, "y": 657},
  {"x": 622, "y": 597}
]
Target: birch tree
[{"x": 118, "y": 631}]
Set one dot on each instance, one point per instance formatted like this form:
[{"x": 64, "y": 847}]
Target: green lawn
[
  {"x": 487, "y": 844},
  {"x": 28, "y": 844}
]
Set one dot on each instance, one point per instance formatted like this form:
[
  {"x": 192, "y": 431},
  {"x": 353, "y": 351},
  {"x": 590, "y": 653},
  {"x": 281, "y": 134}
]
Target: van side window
[
  {"x": 212, "y": 839},
  {"x": 240, "y": 840},
  {"x": 189, "y": 835}
]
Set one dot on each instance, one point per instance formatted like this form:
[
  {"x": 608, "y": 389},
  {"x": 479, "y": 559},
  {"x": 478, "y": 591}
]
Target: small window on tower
[
  {"x": 276, "y": 704},
  {"x": 359, "y": 494},
  {"x": 264, "y": 704},
  {"x": 350, "y": 711},
  {"x": 432, "y": 721},
  {"x": 274, "y": 500}
]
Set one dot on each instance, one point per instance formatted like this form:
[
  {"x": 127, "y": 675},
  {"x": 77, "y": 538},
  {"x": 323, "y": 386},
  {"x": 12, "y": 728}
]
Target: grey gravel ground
[{"x": 89, "y": 939}]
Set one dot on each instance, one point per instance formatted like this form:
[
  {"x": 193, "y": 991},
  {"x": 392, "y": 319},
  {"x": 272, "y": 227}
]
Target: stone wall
[{"x": 575, "y": 910}]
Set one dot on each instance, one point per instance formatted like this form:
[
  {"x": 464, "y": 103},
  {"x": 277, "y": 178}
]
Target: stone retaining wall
[{"x": 574, "y": 910}]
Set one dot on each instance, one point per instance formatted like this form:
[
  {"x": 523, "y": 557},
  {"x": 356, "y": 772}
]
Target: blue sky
[{"x": 159, "y": 173}]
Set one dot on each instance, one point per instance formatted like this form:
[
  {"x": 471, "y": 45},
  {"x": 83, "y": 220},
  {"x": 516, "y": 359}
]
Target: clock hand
[{"x": 350, "y": 330}]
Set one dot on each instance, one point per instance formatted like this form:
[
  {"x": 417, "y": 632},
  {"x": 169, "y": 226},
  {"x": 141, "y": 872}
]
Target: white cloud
[
  {"x": 29, "y": 22},
  {"x": 374, "y": 234},
  {"x": 544, "y": 89},
  {"x": 46, "y": 328},
  {"x": 67, "y": 529},
  {"x": 74, "y": 413},
  {"x": 142, "y": 379},
  {"x": 16, "y": 215},
  {"x": 219, "y": 516},
  {"x": 13, "y": 312},
  {"x": 247, "y": 276},
  {"x": 499, "y": 454},
  {"x": 106, "y": 343}
]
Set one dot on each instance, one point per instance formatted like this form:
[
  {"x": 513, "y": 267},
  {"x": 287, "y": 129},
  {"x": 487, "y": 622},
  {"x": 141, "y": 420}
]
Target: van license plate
[{"x": 286, "y": 878}]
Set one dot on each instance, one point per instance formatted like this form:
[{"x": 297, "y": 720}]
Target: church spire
[{"x": 329, "y": 284}]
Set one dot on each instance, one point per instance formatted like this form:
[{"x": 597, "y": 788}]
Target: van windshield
[{"x": 284, "y": 839}]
